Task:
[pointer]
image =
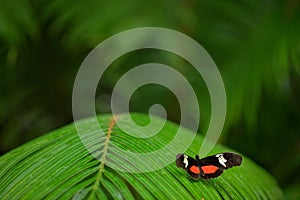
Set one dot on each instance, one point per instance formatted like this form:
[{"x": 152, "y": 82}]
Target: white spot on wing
[
  {"x": 222, "y": 160},
  {"x": 185, "y": 161}
]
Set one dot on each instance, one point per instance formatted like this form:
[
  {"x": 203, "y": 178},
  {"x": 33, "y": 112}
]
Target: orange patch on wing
[
  {"x": 195, "y": 169},
  {"x": 209, "y": 169}
]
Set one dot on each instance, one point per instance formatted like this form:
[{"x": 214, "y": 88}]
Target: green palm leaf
[{"x": 58, "y": 166}]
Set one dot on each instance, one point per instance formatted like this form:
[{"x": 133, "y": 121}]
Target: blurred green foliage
[{"x": 255, "y": 44}]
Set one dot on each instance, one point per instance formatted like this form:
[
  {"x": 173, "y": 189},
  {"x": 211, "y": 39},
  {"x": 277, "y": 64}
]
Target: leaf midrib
[{"x": 103, "y": 157}]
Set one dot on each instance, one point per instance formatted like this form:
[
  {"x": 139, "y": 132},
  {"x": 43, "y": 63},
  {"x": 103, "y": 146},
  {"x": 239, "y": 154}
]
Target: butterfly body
[{"x": 208, "y": 167}]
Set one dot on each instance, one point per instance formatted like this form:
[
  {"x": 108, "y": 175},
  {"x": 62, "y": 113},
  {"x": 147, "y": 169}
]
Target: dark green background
[{"x": 255, "y": 44}]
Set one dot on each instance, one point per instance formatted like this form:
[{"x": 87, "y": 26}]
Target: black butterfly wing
[
  {"x": 189, "y": 164},
  {"x": 213, "y": 166}
]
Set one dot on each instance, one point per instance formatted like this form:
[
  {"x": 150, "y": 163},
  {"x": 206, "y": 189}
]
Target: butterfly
[{"x": 208, "y": 167}]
